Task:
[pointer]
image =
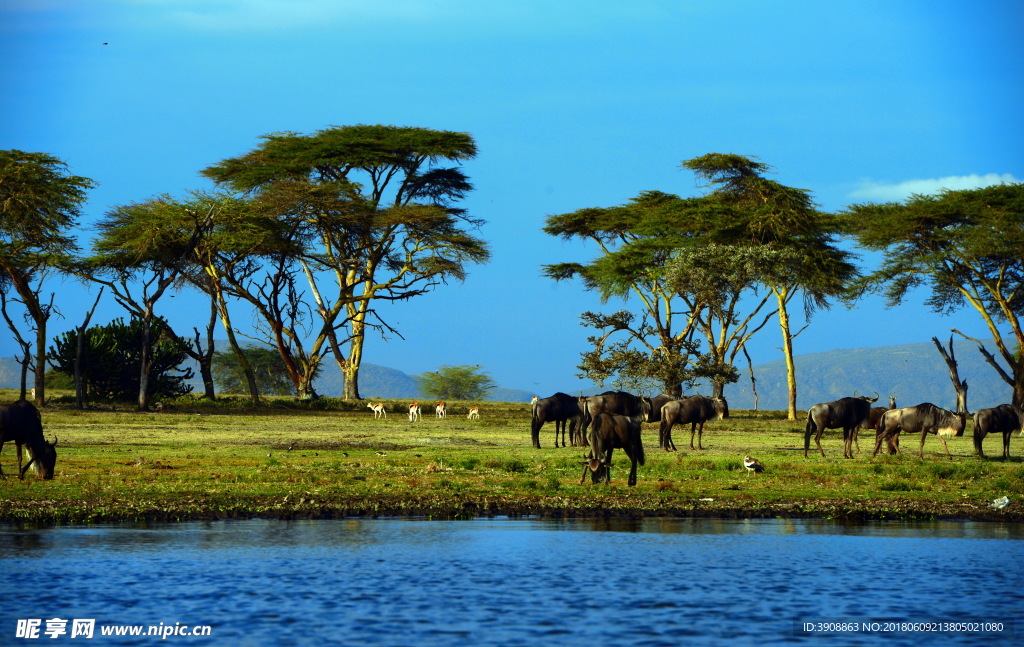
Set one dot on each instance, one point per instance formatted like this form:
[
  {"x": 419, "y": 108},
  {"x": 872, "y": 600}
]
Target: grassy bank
[{"x": 195, "y": 460}]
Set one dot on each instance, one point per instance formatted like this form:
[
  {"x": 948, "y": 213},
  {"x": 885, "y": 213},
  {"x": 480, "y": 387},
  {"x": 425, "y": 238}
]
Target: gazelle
[
  {"x": 378, "y": 410},
  {"x": 441, "y": 410},
  {"x": 414, "y": 411},
  {"x": 474, "y": 413}
]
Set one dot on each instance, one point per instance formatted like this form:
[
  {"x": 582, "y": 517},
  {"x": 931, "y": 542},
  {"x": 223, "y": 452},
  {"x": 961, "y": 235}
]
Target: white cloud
[{"x": 882, "y": 192}]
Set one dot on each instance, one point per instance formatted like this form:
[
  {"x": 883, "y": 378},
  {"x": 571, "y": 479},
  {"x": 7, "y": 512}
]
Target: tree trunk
[
  {"x": 205, "y": 359},
  {"x": 250, "y": 378},
  {"x": 80, "y": 350},
  {"x": 355, "y": 358},
  {"x": 960, "y": 386},
  {"x": 787, "y": 350},
  {"x": 145, "y": 363},
  {"x": 753, "y": 380}
]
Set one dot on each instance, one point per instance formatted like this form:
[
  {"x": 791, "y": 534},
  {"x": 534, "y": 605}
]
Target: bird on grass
[{"x": 752, "y": 465}]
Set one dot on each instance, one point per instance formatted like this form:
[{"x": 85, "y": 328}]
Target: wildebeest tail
[
  {"x": 808, "y": 432},
  {"x": 979, "y": 433}
]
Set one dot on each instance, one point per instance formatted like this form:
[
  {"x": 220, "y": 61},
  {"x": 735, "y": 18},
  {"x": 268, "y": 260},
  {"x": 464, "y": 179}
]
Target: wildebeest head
[
  {"x": 42, "y": 458},
  {"x": 721, "y": 407}
]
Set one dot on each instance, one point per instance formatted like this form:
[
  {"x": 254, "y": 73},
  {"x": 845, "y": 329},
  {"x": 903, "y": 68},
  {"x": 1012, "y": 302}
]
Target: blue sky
[{"x": 572, "y": 104}]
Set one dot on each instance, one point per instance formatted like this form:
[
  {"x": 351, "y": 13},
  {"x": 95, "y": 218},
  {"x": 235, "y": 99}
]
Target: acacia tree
[
  {"x": 784, "y": 224},
  {"x": 374, "y": 210},
  {"x": 636, "y": 240},
  {"x": 455, "y": 383},
  {"x": 138, "y": 258},
  {"x": 967, "y": 246},
  {"x": 40, "y": 203}
]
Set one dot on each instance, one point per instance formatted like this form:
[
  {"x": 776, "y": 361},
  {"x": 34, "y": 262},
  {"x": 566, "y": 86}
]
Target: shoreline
[{"x": 29, "y": 513}]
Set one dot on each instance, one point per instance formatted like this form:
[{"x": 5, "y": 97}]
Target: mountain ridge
[{"x": 913, "y": 373}]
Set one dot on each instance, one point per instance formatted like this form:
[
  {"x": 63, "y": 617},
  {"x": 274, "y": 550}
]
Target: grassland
[{"x": 196, "y": 460}]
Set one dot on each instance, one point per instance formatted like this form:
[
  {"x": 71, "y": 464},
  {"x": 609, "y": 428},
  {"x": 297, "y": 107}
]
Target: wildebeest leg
[
  {"x": 848, "y": 437},
  {"x": 556, "y": 433},
  {"x": 21, "y": 473},
  {"x": 666, "y": 437},
  {"x": 945, "y": 445},
  {"x": 632, "y": 468},
  {"x": 1006, "y": 443},
  {"x": 608, "y": 466},
  {"x": 881, "y": 436},
  {"x": 697, "y": 427},
  {"x": 924, "y": 434}
]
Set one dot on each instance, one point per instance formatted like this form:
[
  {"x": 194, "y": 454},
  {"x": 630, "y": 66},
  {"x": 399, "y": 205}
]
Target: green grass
[{"x": 197, "y": 460}]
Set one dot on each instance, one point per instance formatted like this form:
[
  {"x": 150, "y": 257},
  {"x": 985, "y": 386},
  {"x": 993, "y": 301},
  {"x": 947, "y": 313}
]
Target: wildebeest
[
  {"x": 657, "y": 402},
  {"x": 694, "y": 410},
  {"x": 846, "y": 413},
  {"x": 612, "y": 432},
  {"x": 561, "y": 408},
  {"x": 21, "y": 423},
  {"x": 874, "y": 417},
  {"x": 1004, "y": 419},
  {"x": 617, "y": 403},
  {"x": 925, "y": 418}
]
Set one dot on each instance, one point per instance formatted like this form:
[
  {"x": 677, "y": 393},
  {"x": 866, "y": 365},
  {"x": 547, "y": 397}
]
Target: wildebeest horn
[
  {"x": 54, "y": 443},
  {"x": 876, "y": 397}
]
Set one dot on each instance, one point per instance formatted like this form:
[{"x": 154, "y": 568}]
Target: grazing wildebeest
[
  {"x": 925, "y": 418},
  {"x": 561, "y": 408},
  {"x": 21, "y": 423},
  {"x": 694, "y": 410},
  {"x": 1004, "y": 419},
  {"x": 846, "y": 413},
  {"x": 613, "y": 432},
  {"x": 617, "y": 403}
]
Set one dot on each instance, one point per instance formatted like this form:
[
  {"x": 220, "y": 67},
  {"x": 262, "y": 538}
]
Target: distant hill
[
  {"x": 914, "y": 373},
  {"x": 374, "y": 382}
]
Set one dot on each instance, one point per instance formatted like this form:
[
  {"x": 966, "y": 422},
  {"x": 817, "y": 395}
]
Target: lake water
[{"x": 517, "y": 582}]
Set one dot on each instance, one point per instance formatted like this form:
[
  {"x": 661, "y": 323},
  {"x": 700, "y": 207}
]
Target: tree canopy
[
  {"x": 40, "y": 202},
  {"x": 374, "y": 211},
  {"x": 456, "y": 383},
  {"x": 967, "y": 248}
]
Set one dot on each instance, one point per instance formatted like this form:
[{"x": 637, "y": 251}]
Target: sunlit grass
[{"x": 194, "y": 459}]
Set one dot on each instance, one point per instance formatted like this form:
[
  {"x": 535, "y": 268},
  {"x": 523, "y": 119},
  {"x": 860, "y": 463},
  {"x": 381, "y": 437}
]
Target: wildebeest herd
[
  {"x": 616, "y": 417},
  {"x": 614, "y": 421}
]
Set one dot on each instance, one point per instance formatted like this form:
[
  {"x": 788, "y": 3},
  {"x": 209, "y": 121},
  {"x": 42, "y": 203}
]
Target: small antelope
[
  {"x": 414, "y": 412},
  {"x": 474, "y": 413},
  {"x": 441, "y": 410},
  {"x": 378, "y": 410}
]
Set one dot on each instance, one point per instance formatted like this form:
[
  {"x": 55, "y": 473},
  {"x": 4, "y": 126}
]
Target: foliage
[
  {"x": 267, "y": 365},
  {"x": 966, "y": 246},
  {"x": 40, "y": 203},
  {"x": 111, "y": 358},
  {"x": 455, "y": 383},
  {"x": 372, "y": 210}
]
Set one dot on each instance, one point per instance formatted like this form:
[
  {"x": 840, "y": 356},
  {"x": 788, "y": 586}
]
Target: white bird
[{"x": 752, "y": 465}]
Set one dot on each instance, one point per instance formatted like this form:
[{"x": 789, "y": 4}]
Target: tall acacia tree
[
  {"x": 967, "y": 246},
  {"x": 636, "y": 240},
  {"x": 374, "y": 207},
  {"x": 784, "y": 223},
  {"x": 138, "y": 256},
  {"x": 40, "y": 202}
]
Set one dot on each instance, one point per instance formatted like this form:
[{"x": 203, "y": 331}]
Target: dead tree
[{"x": 954, "y": 374}]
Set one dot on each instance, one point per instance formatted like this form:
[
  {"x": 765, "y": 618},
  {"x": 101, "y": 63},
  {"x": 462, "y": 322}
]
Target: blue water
[{"x": 519, "y": 582}]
